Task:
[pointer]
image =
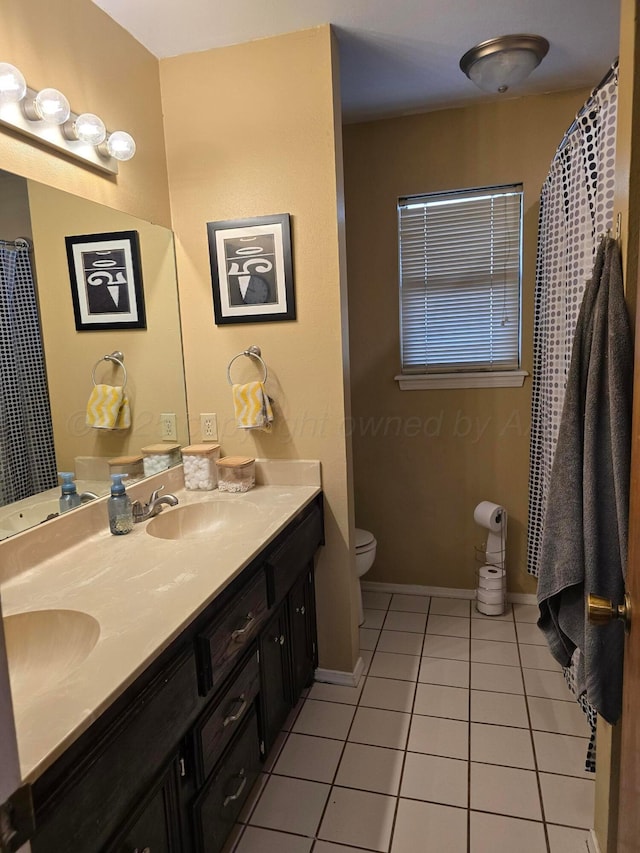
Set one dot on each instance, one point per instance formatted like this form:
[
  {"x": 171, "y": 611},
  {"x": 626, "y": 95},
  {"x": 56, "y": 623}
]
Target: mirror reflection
[{"x": 49, "y": 370}]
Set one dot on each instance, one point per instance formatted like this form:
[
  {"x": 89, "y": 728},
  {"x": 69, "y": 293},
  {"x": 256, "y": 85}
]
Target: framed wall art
[
  {"x": 251, "y": 269},
  {"x": 106, "y": 281}
]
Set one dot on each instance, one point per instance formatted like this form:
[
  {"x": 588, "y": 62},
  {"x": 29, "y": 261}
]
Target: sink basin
[
  {"x": 44, "y": 647},
  {"x": 196, "y": 521}
]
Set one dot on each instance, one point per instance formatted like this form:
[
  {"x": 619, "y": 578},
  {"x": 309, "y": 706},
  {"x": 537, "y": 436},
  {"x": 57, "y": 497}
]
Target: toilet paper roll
[
  {"x": 490, "y": 596},
  {"x": 490, "y": 609},
  {"x": 490, "y": 577},
  {"x": 489, "y": 515}
]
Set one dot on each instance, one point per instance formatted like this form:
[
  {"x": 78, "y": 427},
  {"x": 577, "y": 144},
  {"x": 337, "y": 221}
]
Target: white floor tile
[
  {"x": 375, "y": 600},
  {"x": 526, "y": 612},
  {"x": 439, "y": 780},
  {"x": 367, "y": 657},
  {"x": 529, "y": 632},
  {"x": 490, "y": 651},
  {"x": 567, "y": 800},
  {"x": 373, "y": 618},
  {"x": 538, "y": 657},
  {"x": 547, "y": 685},
  {"x": 370, "y": 768},
  {"x": 505, "y": 790},
  {"x": 510, "y": 747},
  {"x": 565, "y": 840},
  {"x": 400, "y": 642},
  {"x": 507, "y": 616},
  {"x": 501, "y": 679},
  {"x": 399, "y": 620},
  {"x": 307, "y": 757},
  {"x": 448, "y": 626},
  {"x": 503, "y": 632},
  {"x": 454, "y": 648},
  {"x": 492, "y": 833},
  {"x": 453, "y": 673},
  {"x": 368, "y": 638},
  {"x": 324, "y": 719},
  {"x": 389, "y": 694},
  {"x": 390, "y": 665},
  {"x": 561, "y": 754},
  {"x": 255, "y": 840},
  {"x": 439, "y": 736},
  {"x": 437, "y": 700},
  {"x": 550, "y": 715},
  {"x": 380, "y": 728},
  {"x": 410, "y": 603},
  {"x": 274, "y": 806},
  {"x": 424, "y": 827},
  {"x": 359, "y": 818},
  {"x": 501, "y": 709},
  {"x": 450, "y": 607},
  {"x": 324, "y": 692},
  {"x": 328, "y": 847}
]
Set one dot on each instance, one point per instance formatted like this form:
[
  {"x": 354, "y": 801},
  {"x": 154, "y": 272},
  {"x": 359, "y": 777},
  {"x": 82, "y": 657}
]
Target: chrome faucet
[
  {"x": 141, "y": 512},
  {"x": 85, "y": 497}
]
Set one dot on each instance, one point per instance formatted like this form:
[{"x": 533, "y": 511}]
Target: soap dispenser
[
  {"x": 119, "y": 507},
  {"x": 69, "y": 499}
]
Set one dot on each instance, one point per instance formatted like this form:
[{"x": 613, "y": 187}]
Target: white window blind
[{"x": 460, "y": 280}]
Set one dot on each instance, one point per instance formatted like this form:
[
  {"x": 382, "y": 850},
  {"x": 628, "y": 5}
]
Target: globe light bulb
[
  {"x": 121, "y": 145},
  {"x": 90, "y": 128},
  {"x": 51, "y": 106},
  {"x": 13, "y": 86}
]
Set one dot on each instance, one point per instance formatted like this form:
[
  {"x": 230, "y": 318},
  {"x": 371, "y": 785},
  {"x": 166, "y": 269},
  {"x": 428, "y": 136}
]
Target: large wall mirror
[{"x": 152, "y": 356}]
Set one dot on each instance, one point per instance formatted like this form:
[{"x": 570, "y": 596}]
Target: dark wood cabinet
[{"x": 168, "y": 766}]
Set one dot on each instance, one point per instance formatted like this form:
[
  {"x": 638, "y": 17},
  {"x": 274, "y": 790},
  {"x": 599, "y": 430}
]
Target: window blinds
[{"x": 460, "y": 280}]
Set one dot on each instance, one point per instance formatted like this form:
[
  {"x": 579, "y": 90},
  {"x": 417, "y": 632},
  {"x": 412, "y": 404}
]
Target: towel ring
[
  {"x": 118, "y": 359},
  {"x": 252, "y": 352}
]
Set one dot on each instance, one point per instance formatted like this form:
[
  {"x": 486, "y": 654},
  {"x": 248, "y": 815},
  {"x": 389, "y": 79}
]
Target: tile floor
[{"x": 461, "y": 737}]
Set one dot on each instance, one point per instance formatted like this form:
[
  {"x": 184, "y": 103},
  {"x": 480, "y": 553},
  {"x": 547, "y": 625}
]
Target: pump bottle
[
  {"x": 119, "y": 507},
  {"x": 69, "y": 499}
]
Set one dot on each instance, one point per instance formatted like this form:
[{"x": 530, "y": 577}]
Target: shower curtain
[
  {"x": 27, "y": 457},
  {"x": 576, "y": 210}
]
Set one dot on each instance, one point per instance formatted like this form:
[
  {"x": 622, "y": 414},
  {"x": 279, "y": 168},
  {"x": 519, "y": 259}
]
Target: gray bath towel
[{"x": 584, "y": 547}]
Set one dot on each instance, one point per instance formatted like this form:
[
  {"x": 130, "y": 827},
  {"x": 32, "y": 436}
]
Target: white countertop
[{"x": 143, "y": 591}]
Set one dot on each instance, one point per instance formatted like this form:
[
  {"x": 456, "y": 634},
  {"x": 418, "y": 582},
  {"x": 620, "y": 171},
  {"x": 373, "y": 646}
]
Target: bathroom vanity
[{"x": 166, "y": 760}]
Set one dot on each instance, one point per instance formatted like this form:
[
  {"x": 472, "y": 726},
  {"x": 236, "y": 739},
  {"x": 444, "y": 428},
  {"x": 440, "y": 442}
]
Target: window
[{"x": 460, "y": 259}]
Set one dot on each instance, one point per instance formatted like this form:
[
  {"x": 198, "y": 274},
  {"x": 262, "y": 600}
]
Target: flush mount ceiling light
[
  {"x": 45, "y": 115},
  {"x": 500, "y": 63}
]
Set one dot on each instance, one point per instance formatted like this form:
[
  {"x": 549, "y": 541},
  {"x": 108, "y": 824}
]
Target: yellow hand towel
[
  {"x": 252, "y": 406},
  {"x": 108, "y": 408}
]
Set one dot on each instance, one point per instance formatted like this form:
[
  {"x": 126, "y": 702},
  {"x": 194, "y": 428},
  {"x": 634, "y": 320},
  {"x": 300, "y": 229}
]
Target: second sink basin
[{"x": 203, "y": 519}]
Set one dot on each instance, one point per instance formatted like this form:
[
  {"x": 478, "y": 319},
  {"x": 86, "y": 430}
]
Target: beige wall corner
[
  {"x": 424, "y": 459},
  {"x": 252, "y": 130},
  {"x": 54, "y": 44}
]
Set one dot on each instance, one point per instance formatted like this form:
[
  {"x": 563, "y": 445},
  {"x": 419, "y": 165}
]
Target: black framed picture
[
  {"x": 106, "y": 281},
  {"x": 251, "y": 269}
]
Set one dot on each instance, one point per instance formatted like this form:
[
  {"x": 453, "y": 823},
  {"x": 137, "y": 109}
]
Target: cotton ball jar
[
  {"x": 199, "y": 464},
  {"x": 159, "y": 457}
]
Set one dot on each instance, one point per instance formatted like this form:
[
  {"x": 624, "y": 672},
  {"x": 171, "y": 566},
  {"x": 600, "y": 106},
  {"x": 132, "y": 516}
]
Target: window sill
[{"x": 425, "y": 381}]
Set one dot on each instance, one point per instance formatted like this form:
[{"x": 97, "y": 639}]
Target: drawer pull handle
[
  {"x": 231, "y": 718},
  {"x": 300, "y": 610},
  {"x": 231, "y": 797},
  {"x": 240, "y": 632},
  {"x": 279, "y": 639}
]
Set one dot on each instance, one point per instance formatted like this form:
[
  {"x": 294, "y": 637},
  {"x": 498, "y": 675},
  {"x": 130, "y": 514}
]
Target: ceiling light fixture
[
  {"x": 500, "y": 63},
  {"x": 47, "y": 117}
]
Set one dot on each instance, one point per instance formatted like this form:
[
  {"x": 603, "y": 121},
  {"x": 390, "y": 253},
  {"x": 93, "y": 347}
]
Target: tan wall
[
  {"x": 14, "y": 207},
  {"x": 250, "y": 131},
  {"x": 75, "y": 47},
  {"x": 438, "y": 453},
  {"x": 153, "y": 356}
]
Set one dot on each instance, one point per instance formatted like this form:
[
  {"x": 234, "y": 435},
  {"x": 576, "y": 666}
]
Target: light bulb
[
  {"x": 51, "y": 106},
  {"x": 89, "y": 128},
  {"x": 121, "y": 145},
  {"x": 13, "y": 86}
]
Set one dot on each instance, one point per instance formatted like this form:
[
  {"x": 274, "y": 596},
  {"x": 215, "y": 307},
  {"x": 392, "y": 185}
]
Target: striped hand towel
[
  {"x": 252, "y": 406},
  {"x": 108, "y": 408}
]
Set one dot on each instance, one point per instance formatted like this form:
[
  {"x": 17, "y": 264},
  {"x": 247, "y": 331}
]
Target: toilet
[{"x": 365, "y": 555}]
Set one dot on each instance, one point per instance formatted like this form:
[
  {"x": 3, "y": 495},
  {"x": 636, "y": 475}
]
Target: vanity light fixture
[
  {"x": 45, "y": 115},
  {"x": 500, "y": 63}
]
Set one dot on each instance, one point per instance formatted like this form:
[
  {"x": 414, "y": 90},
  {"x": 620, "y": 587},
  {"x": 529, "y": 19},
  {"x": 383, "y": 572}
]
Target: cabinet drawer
[
  {"x": 221, "y": 645},
  {"x": 218, "y": 805},
  {"x": 219, "y": 725},
  {"x": 293, "y": 556}
]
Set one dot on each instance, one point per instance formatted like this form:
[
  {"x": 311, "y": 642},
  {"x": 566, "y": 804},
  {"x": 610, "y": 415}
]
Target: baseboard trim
[
  {"x": 441, "y": 591},
  {"x": 592, "y": 842},
  {"x": 341, "y": 677}
]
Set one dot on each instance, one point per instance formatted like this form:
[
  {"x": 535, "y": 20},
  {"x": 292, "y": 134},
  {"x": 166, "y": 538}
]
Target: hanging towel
[
  {"x": 252, "y": 406},
  {"x": 108, "y": 408},
  {"x": 584, "y": 545}
]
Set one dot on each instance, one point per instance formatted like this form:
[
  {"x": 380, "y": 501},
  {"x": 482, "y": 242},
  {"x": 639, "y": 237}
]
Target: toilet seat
[{"x": 365, "y": 541}]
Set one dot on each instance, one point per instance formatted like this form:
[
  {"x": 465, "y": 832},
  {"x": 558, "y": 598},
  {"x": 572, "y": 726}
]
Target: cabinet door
[
  {"x": 301, "y": 613},
  {"x": 274, "y": 677}
]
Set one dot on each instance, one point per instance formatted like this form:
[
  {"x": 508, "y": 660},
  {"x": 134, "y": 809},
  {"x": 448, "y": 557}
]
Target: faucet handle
[{"x": 155, "y": 493}]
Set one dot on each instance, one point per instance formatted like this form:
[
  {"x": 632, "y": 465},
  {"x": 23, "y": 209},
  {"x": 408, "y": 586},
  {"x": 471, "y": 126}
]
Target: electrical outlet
[
  {"x": 168, "y": 426},
  {"x": 209, "y": 427}
]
